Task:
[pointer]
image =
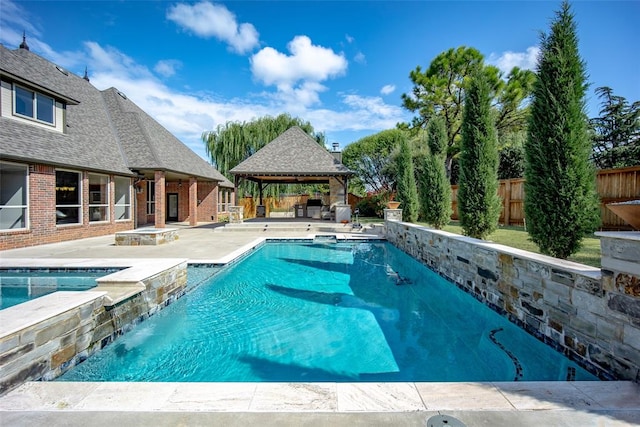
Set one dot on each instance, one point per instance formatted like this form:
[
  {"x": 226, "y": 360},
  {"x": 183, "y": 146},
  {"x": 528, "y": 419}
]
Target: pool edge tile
[
  {"x": 379, "y": 397},
  {"x": 470, "y": 396},
  {"x": 295, "y": 397},
  {"x": 211, "y": 397}
]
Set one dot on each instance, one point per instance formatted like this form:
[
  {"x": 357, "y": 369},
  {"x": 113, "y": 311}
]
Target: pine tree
[
  {"x": 561, "y": 203},
  {"x": 434, "y": 187},
  {"x": 478, "y": 202},
  {"x": 406, "y": 182}
]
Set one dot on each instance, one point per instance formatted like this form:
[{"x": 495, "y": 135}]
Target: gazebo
[{"x": 294, "y": 157}]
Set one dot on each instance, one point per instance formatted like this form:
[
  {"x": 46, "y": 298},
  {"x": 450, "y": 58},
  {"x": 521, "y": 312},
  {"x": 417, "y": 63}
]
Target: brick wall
[{"x": 42, "y": 218}]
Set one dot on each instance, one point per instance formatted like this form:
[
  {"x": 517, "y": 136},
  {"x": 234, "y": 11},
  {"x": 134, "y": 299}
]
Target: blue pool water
[
  {"x": 334, "y": 312},
  {"x": 20, "y": 285}
]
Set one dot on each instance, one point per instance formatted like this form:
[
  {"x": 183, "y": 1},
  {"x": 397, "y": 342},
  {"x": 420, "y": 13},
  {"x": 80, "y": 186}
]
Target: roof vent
[
  {"x": 122, "y": 95},
  {"x": 86, "y": 75},
  {"x": 62, "y": 70}
]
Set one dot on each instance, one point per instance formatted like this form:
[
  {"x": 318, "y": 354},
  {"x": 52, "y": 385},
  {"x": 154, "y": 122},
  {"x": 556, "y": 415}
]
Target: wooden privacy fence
[{"x": 614, "y": 185}]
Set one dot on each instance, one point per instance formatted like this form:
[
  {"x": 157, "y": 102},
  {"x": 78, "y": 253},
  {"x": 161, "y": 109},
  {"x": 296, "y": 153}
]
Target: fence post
[{"x": 507, "y": 202}]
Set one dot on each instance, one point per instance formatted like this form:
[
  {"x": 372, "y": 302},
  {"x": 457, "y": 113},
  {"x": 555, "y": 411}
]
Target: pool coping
[{"x": 609, "y": 400}]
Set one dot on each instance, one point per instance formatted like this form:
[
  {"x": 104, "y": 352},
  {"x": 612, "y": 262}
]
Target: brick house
[{"x": 78, "y": 162}]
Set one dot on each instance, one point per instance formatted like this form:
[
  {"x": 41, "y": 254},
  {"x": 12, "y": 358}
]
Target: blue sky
[{"x": 340, "y": 65}]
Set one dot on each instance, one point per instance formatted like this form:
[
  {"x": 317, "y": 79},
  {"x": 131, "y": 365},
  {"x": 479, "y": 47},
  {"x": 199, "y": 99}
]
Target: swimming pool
[
  {"x": 18, "y": 285},
  {"x": 304, "y": 312}
]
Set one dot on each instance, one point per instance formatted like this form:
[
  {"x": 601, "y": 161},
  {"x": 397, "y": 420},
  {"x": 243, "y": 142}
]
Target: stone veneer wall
[
  {"x": 566, "y": 305},
  {"x": 49, "y": 348}
]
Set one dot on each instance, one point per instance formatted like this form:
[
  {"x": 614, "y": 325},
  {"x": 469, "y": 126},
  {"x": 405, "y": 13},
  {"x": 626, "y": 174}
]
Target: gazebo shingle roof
[{"x": 293, "y": 153}]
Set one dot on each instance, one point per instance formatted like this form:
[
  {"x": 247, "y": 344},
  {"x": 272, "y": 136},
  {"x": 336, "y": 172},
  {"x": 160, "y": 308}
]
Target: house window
[
  {"x": 14, "y": 206},
  {"x": 68, "y": 197},
  {"x": 98, "y": 198},
  {"x": 34, "y": 105},
  {"x": 151, "y": 197},
  {"x": 224, "y": 200},
  {"x": 123, "y": 198}
]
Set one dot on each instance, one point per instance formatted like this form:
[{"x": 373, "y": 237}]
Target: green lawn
[{"x": 517, "y": 237}]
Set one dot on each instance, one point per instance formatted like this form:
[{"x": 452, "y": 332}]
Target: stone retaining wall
[
  {"x": 46, "y": 348},
  {"x": 567, "y": 305}
]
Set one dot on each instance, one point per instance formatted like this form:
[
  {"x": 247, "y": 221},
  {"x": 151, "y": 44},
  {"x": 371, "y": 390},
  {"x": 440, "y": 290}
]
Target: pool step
[{"x": 310, "y": 227}]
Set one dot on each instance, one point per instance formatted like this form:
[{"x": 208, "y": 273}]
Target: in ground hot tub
[{"x": 146, "y": 236}]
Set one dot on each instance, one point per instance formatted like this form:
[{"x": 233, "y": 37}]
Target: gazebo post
[{"x": 236, "y": 178}]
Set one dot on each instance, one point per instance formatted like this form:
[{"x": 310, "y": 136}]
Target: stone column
[
  {"x": 161, "y": 197},
  {"x": 193, "y": 201},
  {"x": 236, "y": 214},
  {"x": 621, "y": 282},
  {"x": 393, "y": 214},
  {"x": 336, "y": 192}
]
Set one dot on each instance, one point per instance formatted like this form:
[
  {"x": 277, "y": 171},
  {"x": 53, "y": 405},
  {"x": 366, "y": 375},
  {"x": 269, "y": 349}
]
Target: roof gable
[
  {"x": 294, "y": 152},
  {"x": 88, "y": 142},
  {"x": 104, "y": 130},
  {"x": 148, "y": 145}
]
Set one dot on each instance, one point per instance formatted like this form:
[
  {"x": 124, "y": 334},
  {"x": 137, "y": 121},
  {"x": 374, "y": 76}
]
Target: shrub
[
  {"x": 478, "y": 202},
  {"x": 561, "y": 204}
]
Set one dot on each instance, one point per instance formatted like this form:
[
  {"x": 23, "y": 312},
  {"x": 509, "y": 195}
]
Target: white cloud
[
  {"x": 387, "y": 89},
  {"x": 507, "y": 60},
  {"x": 187, "y": 113},
  {"x": 298, "y": 75},
  {"x": 167, "y": 67},
  {"x": 13, "y": 21},
  {"x": 360, "y": 58},
  {"x": 349, "y": 38},
  {"x": 361, "y": 113},
  {"x": 206, "y": 19}
]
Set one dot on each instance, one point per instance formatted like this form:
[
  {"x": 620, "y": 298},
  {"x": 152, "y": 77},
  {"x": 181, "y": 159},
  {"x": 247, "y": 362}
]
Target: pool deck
[{"x": 309, "y": 404}]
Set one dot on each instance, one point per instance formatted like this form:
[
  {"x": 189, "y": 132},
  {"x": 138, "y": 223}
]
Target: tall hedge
[
  {"x": 561, "y": 202},
  {"x": 406, "y": 182},
  {"x": 478, "y": 203},
  {"x": 434, "y": 188}
]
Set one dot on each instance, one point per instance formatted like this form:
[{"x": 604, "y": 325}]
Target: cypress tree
[
  {"x": 434, "y": 187},
  {"x": 406, "y": 182},
  {"x": 561, "y": 203},
  {"x": 478, "y": 202}
]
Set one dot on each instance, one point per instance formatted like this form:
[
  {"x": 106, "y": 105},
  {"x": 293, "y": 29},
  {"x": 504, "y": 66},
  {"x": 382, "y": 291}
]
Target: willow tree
[
  {"x": 232, "y": 143},
  {"x": 561, "y": 203}
]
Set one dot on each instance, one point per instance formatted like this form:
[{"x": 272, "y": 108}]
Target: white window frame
[
  {"x": 23, "y": 207},
  {"x": 102, "y": 205},
  {"x": 34, "y": 99},
  {"x": 151, "y": 197},
  {"x": 77, "y": 206},
  {"x": 224, "y": 199},
  {"x": 126, "y": 206}
]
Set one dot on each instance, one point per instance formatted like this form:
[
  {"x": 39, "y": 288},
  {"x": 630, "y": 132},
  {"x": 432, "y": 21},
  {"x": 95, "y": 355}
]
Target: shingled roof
[
  {"x": 148, "y": 145},
  {"x": 105, "y": 131},
  {"x": 88, "y": 141},
  {"x": 292, "y": 154}
]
